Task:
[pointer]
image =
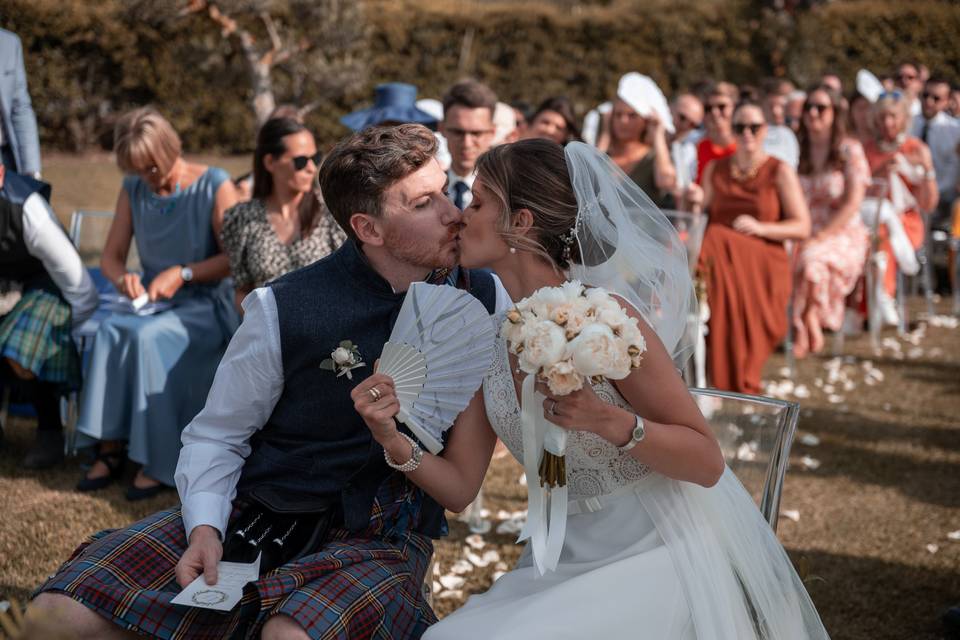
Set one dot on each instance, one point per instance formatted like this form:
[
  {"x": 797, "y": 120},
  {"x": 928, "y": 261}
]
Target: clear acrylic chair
[
  {"x": 691, "y": 227},
  {"x": 755, "y": 435}
]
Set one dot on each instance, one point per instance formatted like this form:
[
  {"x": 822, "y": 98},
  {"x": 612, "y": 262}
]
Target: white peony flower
[
  {"x": 342, "y": 356},
  {"x": 543, "y": 344},
  {"x": 562, "y": 378},
  {"x": 595, "y": 351}
]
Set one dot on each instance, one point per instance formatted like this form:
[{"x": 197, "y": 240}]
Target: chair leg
[
  {"x": 902, "y": 303},
  {"x": 70, "y": 425}
]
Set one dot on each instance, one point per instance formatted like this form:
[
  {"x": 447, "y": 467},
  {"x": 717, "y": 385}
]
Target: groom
[{"x": 280, "y": 430}]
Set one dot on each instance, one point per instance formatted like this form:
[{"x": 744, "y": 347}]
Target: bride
[{"x": 661, "y": 539}]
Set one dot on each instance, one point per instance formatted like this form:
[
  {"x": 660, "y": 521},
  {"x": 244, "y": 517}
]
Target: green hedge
[{"x": 89, "y": 61}]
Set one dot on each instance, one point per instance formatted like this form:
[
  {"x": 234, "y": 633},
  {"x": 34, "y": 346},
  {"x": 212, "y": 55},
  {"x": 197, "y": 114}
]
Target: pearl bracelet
[{"x": 416, "y": 456}]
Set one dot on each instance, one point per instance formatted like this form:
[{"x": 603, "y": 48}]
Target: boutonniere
[{"x": 344, "y": 359}]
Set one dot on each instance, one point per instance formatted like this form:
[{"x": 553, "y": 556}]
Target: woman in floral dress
[{"x": 834, "y": 176}]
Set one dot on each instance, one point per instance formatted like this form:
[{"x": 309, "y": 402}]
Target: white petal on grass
[
  {"x": 437, "y": 587},
  {"x": 809, "y": 439},
  {"x": 523, "y": 480},
  {"x": 954, "y": 535},
  {"x": 461, "y": 567},
  {"x": 933, "y": 548},
  {"x": 810, "y": 463},
  {"x": 443, "y": 595},
  {"x": 476, "y": 541},
  {"x": 791, "y": 514},
  {"x": 835, "y": 399},
  {"x": 801, "y": 391},
  {"x": 451, "y": 581},
  {"x": 915, "y": 353},
  {"x": 745, "y": 452},
  {"x": 828, "y": 388},
  {"x": 497, "y": 575}
]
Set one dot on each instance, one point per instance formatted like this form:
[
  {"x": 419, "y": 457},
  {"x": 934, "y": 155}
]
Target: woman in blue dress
[{"x": 149, "y": 375}]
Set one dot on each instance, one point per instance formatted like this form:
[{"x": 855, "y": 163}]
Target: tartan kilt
[
  {"x": 360, "y": 585},
  {"x": 36, "y": 334}
]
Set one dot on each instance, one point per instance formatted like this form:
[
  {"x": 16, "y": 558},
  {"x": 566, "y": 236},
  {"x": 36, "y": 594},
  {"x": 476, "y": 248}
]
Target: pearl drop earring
[{"x": 513, "y": 249}]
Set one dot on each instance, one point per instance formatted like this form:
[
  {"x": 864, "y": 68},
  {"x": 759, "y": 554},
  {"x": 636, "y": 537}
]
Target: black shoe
[
  {"x": 47, "y": 451},
  {"x": 115, "y": 463},
  {"x": 135, "y": 493}
]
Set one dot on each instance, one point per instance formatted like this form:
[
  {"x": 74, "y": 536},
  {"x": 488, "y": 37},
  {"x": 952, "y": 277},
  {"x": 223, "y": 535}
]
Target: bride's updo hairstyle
[{"x": 532, "y": 174}]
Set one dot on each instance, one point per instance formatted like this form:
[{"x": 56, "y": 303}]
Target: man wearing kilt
[
  {"x": 280, "y": 432},
  {"x": 41, "y": 270}
]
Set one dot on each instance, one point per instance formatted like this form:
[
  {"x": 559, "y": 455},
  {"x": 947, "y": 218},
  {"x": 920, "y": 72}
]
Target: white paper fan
[
  {"x": 868, "y": 85},
  {"x": 440, "y": 349},
  {"x": 645, "y": 97}
]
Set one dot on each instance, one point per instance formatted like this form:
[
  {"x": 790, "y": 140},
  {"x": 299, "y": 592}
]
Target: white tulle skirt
[{"x": 663, "y": 559}]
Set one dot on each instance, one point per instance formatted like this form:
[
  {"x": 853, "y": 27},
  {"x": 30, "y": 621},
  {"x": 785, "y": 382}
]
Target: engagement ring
[{"x": 375, "y": 393}]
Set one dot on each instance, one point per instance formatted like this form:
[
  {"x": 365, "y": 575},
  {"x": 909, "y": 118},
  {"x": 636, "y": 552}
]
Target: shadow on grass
[{"x": 867, "y": 598}]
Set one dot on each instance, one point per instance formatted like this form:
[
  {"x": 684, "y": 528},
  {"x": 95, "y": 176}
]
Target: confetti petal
[
  {"x": 801, "y": 391},
  {"x": 461, "y": 567},
  {"x": 954, "y": 535},
  {"x": 451, "y": 581},
  {"x": 443, "y": 595},
  {"x": 809, "y": 439},
  {"x": 791, "y": 514},
  {"x": 933, "y": 548},
  {"x": 475, "y": 541},
  {"x": 810, "y": 463}
]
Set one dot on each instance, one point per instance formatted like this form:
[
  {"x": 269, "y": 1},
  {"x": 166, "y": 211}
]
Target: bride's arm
[
  {"x": 678, "y": 442},
  {"x": 454, "y": 477}
]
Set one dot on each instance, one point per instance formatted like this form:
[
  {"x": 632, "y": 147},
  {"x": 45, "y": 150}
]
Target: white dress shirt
[
  {"x": 684, "y": 155},
  {"x": 247, "y": 386},
  {"x": 46, "y": 241},
  {"x": 943, "y": 136},
  {"x": 468, "y": 180}
]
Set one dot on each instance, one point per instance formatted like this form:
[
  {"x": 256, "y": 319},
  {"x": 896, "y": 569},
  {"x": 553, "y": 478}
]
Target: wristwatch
[
  {"x": 635, "y": 436},
  {"x": 186, "y": 273}
]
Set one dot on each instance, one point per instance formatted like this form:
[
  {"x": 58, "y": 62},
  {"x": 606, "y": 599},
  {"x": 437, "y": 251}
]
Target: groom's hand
[
  {"x": 375, "y": 399},
  {"x": 201, "y": 556}
]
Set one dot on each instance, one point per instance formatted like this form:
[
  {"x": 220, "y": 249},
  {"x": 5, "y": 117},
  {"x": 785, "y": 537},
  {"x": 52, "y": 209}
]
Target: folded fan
[{"x": 440, "y": 349}]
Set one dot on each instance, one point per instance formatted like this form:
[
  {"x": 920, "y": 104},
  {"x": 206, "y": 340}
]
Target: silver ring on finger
[
  {"x": 375, "y": 393},
  {"x": 553, "y": 408}
]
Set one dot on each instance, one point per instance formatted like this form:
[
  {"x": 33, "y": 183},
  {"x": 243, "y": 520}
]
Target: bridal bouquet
[{"x": 568, "y": 336}]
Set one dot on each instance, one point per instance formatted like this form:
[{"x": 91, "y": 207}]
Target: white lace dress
[
  {"x": 644, "y": 556},
  {"x": 615, "y": 578}
]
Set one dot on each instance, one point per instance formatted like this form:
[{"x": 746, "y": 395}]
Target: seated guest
[
  {"x": 687, "y": 118},
  {"x": 281, "y": 434},
  {"x": 861, "y": 117},
  {"x": 36, "y": 346},
  {"x": 638, "y": 143},
  {"x": 905, "y": 166},
  {"x": 755, "y": 204},
  {"x": 554, "y": 120},
  {"x": 149, "y": 375},
  {"x": 941, "y": 132},
  {"x": 781, "y": 142},
  {"x": 718, "y": 140},
  {"x": 284, "y": 226},
  {"x": 794, "y": 109},
  {"x": 834, "y": 177}
]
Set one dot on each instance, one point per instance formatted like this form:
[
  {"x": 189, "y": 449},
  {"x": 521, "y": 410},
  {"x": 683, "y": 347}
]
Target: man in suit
[
  {"x": 19, "y": 142},
  {"x": 468, "y": 127}
]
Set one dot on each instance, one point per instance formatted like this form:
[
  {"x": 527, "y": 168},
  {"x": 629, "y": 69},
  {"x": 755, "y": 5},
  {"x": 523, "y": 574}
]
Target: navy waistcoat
[{"x": 315, "y": 449}]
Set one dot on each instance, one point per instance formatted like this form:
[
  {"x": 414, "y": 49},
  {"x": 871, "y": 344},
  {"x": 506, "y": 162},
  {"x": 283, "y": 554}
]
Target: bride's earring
[{"x": 513, "y": 249}]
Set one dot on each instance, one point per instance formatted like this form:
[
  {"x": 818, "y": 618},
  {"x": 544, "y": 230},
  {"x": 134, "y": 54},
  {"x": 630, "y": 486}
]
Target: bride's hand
[
  {"x": 581, "y": 410},
  {"x": 375, "y": 399}
]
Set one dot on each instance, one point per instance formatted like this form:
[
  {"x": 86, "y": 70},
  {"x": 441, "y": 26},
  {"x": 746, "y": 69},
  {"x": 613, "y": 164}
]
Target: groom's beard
[{"x": 415, "y": 249}]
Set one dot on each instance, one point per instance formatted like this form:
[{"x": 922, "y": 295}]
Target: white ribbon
[{"x": 545, "y": 533}]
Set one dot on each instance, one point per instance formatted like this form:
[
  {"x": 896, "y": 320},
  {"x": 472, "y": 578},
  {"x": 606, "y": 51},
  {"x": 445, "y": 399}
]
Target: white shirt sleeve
[
  {"x": 503, "y": 301},
  {"x": 245, "y": 390},
  {"x": 47, "y": 242}
]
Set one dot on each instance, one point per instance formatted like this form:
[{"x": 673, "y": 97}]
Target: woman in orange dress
[
  {"x": 905, "y": 164},
  {"x": 755, "y": 203}
]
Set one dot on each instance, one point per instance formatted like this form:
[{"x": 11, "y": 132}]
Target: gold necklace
[{"x": 742, "y": 175}]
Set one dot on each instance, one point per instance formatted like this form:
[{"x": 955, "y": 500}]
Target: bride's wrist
[{"x": 618, "y": 426}]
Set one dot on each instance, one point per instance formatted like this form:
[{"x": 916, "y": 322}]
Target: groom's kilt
[{"x": 361, "y": 585}]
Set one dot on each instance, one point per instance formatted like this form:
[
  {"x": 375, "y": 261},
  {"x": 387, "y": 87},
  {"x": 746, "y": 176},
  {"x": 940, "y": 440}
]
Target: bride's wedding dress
[{"x": 644, "y": 556}]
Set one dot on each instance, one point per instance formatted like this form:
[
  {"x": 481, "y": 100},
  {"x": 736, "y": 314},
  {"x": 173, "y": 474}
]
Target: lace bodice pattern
[{"x": 595, "y": 467}]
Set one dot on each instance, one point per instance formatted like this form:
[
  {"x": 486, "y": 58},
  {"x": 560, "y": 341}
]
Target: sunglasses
[
  {"x": 906, "y": 76},
  {"x": 722, "y": 107},
  {"x": 690, "y": 121},
  {"x": 740, "y": 127},
  {"x": 815, "y": 107},
  {"x": 300, "y": 162}
]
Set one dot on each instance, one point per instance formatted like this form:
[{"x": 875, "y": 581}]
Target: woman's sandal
[{"x": 115, "y": 462}]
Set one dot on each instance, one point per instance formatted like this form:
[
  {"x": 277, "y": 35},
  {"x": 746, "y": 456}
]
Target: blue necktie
[{"x": 459, "y": 189}]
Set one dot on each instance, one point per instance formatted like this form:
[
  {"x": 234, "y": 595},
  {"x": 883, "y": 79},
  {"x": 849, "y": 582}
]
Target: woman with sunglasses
[
  {"x": 755, "y": 204},
  {"x": 285, "y": 226},
  {"x": 718, "y": 141},
  {"x": 834, "y": 176},
  {"x": 149, "y": 374}
]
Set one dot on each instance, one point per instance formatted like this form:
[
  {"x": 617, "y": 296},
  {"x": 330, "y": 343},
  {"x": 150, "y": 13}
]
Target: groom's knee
[
  {"x": 56, "y": 613},
  {"x": 283, "y": 627}
]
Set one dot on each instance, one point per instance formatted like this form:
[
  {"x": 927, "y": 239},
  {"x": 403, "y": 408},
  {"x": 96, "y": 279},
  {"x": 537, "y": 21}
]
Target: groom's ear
[
  {"x": 367, "y": 229},
  {"x": 522, "y": 221}
]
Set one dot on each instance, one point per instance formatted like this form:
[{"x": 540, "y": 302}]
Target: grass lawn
[{"x": 869, "y": 526}]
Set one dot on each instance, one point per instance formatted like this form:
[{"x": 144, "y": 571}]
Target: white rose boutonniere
[{"x": 344, "y": 359}]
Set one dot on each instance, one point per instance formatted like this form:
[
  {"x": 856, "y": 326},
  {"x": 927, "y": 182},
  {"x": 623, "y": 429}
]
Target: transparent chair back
[
  {"x": 755, "y": 435},
  {"x": 691, "y": 227}
]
